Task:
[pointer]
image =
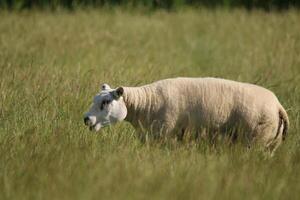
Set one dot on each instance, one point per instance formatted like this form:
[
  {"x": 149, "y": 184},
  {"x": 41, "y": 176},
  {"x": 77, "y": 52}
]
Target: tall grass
[
  {"x": 51, "y": 65},
  {"x": 150, "y": 4}
]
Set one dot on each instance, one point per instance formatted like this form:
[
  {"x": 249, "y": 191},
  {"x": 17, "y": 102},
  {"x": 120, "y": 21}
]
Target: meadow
[{"x": 53, "y": 63}]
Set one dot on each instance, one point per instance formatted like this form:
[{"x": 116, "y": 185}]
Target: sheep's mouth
[
  {"x": 98, "y": 126},
  {"x": 92, "y": 127},
  {"x": 95, "y": 127}
]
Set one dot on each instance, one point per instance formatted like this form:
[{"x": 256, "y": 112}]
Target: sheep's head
[{"x": 108, "y": 108}]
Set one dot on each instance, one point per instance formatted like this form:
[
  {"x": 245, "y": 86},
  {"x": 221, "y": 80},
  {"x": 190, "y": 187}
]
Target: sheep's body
[{"x": 173, "y": 106}]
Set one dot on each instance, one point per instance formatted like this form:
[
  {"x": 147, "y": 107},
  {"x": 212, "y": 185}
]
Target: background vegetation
[
  {"x": 51, "y": 65},
  {"x": 165, "y": 4}
]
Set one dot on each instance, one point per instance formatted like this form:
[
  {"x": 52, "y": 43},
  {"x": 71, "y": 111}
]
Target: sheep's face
[{"x": 108, "y": 108}]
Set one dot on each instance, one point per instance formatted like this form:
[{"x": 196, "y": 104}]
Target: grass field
[{"x": 51, "y": 65}]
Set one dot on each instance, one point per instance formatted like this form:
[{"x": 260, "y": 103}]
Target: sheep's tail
[{"x": 283, "y": 121}]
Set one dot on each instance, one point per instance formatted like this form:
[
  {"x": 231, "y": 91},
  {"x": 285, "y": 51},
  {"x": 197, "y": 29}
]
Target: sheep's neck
[{"x": 140, "y": 102}]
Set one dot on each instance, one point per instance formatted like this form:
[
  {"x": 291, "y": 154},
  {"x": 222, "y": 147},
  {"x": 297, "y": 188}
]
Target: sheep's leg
[
  {"x": 180, "y": 135},
  {"x": 197, "y": 135},
  {"x": 265, "y": 134},
  {"x": 156, "y": 130},
  {"x": 277, "y": 140},
  {"x": 200, "y": 134},
  {"x": 231, "y": 136},
  {"x": 165, "y": 131},
  {"x": 212, "y": 133},
  {"x": 212, "y": 138},
  {"x": 274, "y": 142}
]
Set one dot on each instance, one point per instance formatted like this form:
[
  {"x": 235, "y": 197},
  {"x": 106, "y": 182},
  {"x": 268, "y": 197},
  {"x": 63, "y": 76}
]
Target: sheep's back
[{"x": 213, "y": 101}]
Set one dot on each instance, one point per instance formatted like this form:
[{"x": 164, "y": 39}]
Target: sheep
[{"x": 174, "y": 106}]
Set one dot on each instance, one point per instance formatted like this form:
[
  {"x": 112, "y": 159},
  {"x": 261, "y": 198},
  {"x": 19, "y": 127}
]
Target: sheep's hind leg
[{"x": 269, "y": 136}]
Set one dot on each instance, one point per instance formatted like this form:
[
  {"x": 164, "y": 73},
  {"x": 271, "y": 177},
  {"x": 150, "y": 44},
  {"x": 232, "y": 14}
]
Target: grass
[{"x": 51, "y": 65}]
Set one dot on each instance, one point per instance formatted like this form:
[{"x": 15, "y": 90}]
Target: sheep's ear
[
  {"x": 105, "y": 86},
  {"x": 117, "y": 93}
]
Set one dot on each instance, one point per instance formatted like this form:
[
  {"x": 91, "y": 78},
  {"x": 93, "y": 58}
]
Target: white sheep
[{"x": 175, "y": 106}]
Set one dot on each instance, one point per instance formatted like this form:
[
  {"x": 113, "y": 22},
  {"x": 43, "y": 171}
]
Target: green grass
[{"x": 51, "y": 65}]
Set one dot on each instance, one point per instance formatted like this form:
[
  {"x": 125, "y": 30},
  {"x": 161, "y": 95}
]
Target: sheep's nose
[{"x": 86, "y": 120}]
